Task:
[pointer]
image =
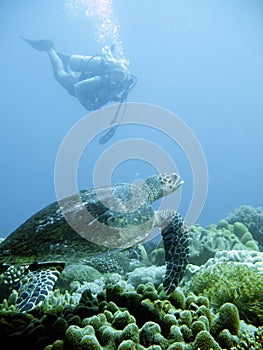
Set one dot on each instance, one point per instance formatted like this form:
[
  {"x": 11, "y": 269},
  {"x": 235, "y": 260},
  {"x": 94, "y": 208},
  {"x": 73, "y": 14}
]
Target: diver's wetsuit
[{"x": 94, "y": 80}]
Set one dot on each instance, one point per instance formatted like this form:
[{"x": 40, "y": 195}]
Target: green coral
[
  {"x": 150, "y": 334},
  {"x": 100, "y": 334},
  {"x": 76, "y": 273},
  {"x": 176, "y": 334},
  {"x": 97, "y": 333},
  {"x": 186, "y": 318},
  {"x": 205, "y": 341},
  {"x": 227, "y": 318},
  {"x": 251, "y": 217},
  {"x": 241, "y": 231},
  {"x": 238, "y": 284},
  {"x": 161, "y": 323},
  {"x": 251, "y": 341},
  {"x": 227, "y": 340},
  {"x": 155, "y": 252},
  {"x": 157, "y": 255},
  {"x": 177, "y": 298},
  {"x": 146, "y": 319},
  {"x": 198, "y": 326},
  {"x": 207, "y": 241}
]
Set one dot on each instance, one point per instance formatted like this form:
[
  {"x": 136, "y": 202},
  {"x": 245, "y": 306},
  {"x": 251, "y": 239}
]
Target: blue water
[{"x": 201, "y": 60}]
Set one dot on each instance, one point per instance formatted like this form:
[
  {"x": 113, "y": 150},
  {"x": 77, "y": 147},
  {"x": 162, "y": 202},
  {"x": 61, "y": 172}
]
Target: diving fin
[{"x": 40, "y": 45}]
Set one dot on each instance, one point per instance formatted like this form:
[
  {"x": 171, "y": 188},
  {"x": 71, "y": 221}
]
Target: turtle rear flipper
[{"x": 33, "y": 282}]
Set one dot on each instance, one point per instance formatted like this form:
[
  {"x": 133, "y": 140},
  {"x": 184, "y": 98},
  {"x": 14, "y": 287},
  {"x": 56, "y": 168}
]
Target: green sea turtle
[{"x": 94, "y": 221}]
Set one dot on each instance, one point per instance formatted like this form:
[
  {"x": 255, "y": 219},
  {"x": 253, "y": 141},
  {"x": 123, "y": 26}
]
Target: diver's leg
[
  {"x": 56, "y": 62},
  {"x": 61, "y": 75}
]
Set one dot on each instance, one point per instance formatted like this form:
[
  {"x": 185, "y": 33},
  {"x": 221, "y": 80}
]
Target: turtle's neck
[{"x": 154, "y": 188}]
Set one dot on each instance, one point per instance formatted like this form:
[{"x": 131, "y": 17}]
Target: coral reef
[
  {"x": 156, "y": 255},
  {"x": 120, "y": 319},
  {"x": 245, "y": 257},
  {"x": 76, "y": 273},
  {"x": 227, "y": 318},
  {"x": 205, "y": 341},
  {"x": 251, "y": 217},
  {"x": 118, "y": 302},
  {"x": 250, "y": 338},
  {"x": 118, "y": 263},
  {"x": 207, "y": 241},
  {"x": 238, "y": 283},
  {"x": 153, "y": 274}
]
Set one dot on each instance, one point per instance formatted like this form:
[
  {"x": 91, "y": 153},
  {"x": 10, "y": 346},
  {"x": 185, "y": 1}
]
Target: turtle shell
[{"x": 94, "y": 221}]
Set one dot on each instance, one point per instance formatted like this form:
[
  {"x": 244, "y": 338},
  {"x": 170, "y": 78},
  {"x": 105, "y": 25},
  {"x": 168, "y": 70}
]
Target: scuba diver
[{"x": 94, "y": 80}]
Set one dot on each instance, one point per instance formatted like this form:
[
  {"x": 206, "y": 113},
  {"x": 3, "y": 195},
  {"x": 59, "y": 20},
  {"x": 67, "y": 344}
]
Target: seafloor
[{"x": 118, "y": 302}]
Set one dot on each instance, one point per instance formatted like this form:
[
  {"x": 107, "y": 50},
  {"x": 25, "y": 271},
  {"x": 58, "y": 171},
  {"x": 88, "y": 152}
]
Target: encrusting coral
[{"x": 120, "y": 319}]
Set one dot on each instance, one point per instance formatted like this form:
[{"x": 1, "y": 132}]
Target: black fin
[{"x": 40, "y": 45}]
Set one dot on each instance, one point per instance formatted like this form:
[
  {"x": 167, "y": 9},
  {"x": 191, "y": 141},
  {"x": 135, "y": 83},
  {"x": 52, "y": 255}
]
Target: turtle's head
[{"x": 162, "y": 184}]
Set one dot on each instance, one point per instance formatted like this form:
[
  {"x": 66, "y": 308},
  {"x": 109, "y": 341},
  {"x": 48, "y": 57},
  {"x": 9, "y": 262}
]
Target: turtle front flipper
[
  {"x": 176, "y": 245},
  {"x": 34, "y": 283}
]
